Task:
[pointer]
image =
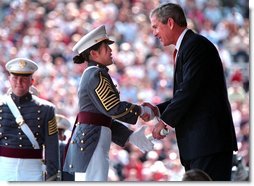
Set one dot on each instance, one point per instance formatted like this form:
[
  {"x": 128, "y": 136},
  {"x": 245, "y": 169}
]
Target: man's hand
[
  {"x": 154, "y": 108},
  {"x": 146, "y": 113},
  {"x": 139, "y": 139},
  {"x": 157, "y": 130},
  {"x": 149, "y": 111}
]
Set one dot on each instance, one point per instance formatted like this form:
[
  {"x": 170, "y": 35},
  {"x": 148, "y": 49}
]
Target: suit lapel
[{"x": 178, "y": 65}]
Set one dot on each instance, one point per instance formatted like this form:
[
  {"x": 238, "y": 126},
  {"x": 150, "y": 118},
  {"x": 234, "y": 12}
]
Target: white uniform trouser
[
  {"x": 17, "y": 169},
  {"x": 98, "y": 166}
]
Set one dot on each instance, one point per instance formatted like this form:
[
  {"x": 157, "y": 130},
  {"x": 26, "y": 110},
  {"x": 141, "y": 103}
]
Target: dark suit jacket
[{"x": 199, "y": 110}]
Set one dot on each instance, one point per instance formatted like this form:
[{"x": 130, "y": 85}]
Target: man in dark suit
[{"x": 199, "y": 109}]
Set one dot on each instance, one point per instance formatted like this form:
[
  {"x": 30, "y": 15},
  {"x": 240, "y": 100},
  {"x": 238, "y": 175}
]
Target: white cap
[
  {"x": 62, "y": 122},
  {"x": 21, "y": 66},
  {"x": 93, "y": 37}
]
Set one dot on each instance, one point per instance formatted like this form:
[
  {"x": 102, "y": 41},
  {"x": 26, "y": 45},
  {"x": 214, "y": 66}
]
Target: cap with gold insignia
[
  {"x": 93, "y": 37},
  {"x": 62, "y": 122},
  {"x": 21, "y": 66}
]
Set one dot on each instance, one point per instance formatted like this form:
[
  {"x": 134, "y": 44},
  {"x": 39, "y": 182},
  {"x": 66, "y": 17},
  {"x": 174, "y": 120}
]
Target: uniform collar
[
  {"x": 19, "y": 100},
  {"x": 94, "y": 63}
]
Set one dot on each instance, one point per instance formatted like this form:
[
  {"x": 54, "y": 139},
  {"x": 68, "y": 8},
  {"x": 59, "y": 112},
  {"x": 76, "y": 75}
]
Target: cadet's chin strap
[{"x": 21, "y": 122}]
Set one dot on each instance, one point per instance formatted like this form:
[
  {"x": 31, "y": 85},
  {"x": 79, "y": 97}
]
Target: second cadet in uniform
[
  {"x": 27, "y": 124},
  {"x": 63, "y": 124},
  {"x": 99, "y": 107}
]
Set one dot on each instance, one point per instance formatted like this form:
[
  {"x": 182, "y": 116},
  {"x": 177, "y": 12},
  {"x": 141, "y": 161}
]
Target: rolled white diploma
[{"x": 163, "y": 131}]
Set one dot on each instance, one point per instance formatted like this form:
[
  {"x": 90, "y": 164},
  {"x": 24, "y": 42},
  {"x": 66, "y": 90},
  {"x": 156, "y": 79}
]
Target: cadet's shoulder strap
[{"x": 21, "y": 122}]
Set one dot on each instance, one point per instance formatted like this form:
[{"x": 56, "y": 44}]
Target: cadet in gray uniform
[
  {"x": 100, "y": 107},
  {"x": 63, "y": 124},
  {"x": 27, "y": 125}
]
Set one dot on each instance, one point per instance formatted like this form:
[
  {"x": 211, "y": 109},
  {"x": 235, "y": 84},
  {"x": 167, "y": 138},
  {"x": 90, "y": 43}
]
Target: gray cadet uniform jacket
[
  {"x": 39, "y": 115},
  {"x": 97, "y": 94}
]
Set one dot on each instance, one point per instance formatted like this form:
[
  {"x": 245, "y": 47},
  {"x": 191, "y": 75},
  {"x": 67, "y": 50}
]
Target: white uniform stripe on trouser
[
  {"x": 17, "y": 169},
  {"x": 98, "y": 166}
]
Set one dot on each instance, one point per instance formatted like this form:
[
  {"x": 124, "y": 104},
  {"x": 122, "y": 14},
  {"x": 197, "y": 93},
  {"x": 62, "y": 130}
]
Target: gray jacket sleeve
[
  {"x": 51, "y": 144},
  {"x": 120, "y": 133}
]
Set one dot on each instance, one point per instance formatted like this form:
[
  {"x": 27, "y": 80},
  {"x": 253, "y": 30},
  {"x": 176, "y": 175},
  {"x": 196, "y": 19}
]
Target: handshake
[
  {"x": 149, "y": 112},
  {"x": 138, "y": 138}
]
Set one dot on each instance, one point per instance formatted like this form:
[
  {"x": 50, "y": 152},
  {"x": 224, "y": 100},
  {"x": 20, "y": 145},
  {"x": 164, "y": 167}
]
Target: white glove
[
  {"x": 147, "y": 110},
  {"x": 139, "y": 139}
]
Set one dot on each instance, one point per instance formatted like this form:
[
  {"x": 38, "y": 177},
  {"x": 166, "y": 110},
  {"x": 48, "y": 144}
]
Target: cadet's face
[
  {"x": 20, "y": 84},
  {"x": 105, "y": 54}
]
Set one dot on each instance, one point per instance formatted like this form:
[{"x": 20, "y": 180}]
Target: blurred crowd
[{"x": 46, "y": 30}]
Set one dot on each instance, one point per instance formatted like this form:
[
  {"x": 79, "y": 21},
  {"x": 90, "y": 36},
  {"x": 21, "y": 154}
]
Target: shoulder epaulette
[
  {"x": 42, "y": 101},
  {"x": 2, "y": 99}
]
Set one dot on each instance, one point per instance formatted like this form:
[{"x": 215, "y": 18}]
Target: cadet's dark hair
[
  {"x": 169, "y": 10},
  {"x": 85, "y": 55}
]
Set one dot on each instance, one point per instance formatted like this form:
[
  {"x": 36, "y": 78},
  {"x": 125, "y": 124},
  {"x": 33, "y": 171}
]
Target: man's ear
[{"x": 171, "y": 23}]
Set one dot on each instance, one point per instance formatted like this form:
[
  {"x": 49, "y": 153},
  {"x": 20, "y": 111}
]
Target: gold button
[
  {"x": 6, "y": 143},
  {"x": 39, "y": 126},
  {"x": 71, "y": 166},
  {"x": 20, "y": 145},
  {"x": 82, "y": 141},
  {"x": 20, "y": 138},
  {"x": 83, "y": 134},
  {"x": 82, "y": 149}
]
